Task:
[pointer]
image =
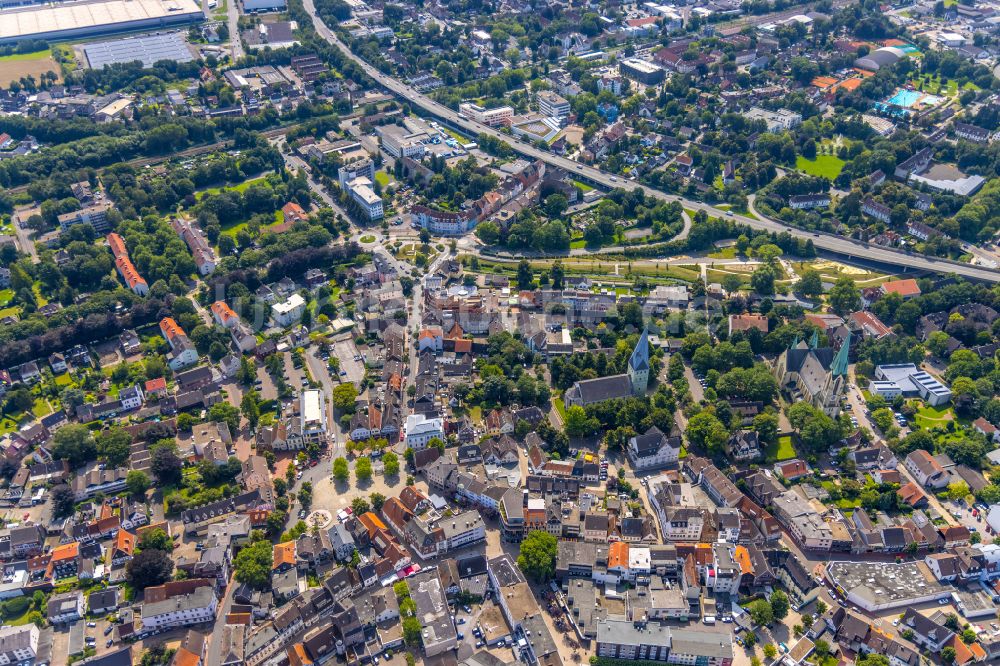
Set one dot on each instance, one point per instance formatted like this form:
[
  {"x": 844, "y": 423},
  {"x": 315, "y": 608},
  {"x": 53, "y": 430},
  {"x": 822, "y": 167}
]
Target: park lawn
[
  {"x": 583, "y": 186},
  {"x": 41, "y": 407},
  {"x": 239, "y": 187},
  {"x": 578, "y": 244},
  {"x": 34, "y": 55},
  {"x": 724, "y": 253},
  {"x": 782, "y": 449},
  {"x": 382, "y": 178},
  {"x": 39, "y": 299},
  {"x": 21, "y": 619},
  {"x": 233, "y": 229},
  {"x": 828, "y": 166},
  {"x": 717, "y": 276},
  {"x": 931, "y": 417},
  {"x": 7, "y": 425}
]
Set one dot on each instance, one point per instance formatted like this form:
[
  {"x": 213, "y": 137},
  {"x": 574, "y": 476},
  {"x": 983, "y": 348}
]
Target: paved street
[
  {"x": 214, "y": 656},
  {"x": 841, "y": 245},
  {"x": 24, "y": 242}
]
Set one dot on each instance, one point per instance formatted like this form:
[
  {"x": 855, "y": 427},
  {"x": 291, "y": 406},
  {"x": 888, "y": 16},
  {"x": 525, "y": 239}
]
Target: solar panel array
[{"x": 149, "y": 49}]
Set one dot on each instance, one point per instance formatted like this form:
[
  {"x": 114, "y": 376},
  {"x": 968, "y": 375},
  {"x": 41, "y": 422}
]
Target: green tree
[
  {"x": 113, "y": 446},
  {"x": 378, "y": 500},
  {"x": 770, "y": 651},
  {"x": 63, "y": 501},
  {"x": 706, "y": 431},
  {"x": 224, "y": 412},
  {"x": 810, "y": 283},
  {"x": 555, "y": 205},
  {"x": 345, "y": 397},
  {"x": 525, "y": 276},
  {"x": 844, "y": 296},
  {"x": 156, "y": 539},
  {"x": 166, "y": 466},
  {"x": 766, "y": 425},
  {"x": 779, "y": 605},
  {"x": 578, "y": 424},
  {"x": 537, "y": 558},
  {"x": 412, "y": 632},
  {"x": 136, "y": 483},
  {"x": 948, "y": 655},
  {"x": 391, "y": 463},
  {"x": 363, "y": 469},
  {"x": 149, "y": 568},
  {"x": 250, "y": 409},
  {"x": 761, "y": 612},
  {"x": 252, "y": 564},
  {"x": 74, "y": 444},
  {"x": 341, "y": 472}
]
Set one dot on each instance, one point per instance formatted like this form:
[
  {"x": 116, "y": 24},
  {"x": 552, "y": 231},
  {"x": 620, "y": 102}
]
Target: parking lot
[{"x": 352, "y": 367}]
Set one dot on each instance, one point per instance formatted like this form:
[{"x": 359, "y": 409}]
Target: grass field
[
  {"x": 17, "y": 65},
  {"x": 557, "y": 402},
  {"x": 783, "y": 449},
  {"x": 63, "y": 380},
  {"x": 583, "y": 186},
  {"x": 724, "y": 253},
  {"x": 828, "y": 166},
  {"x": 382, "y": 178},
  {"x": 20, "y": 57},
  {"x": 239, "y": 187},
  {"x": 933, "y": 417},
  {"x": 41, "y": 408}
]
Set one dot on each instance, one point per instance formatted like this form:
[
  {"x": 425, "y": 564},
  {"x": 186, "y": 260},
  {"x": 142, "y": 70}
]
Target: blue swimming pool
[{"x": 905, "y": 98}]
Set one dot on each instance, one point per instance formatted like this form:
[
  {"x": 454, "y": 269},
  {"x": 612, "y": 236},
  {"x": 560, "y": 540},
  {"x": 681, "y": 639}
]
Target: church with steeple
[
  {"x": 818, "y": 375},
  {"x": 634, "y": 382},
  {"x": 638, "y": 365}
]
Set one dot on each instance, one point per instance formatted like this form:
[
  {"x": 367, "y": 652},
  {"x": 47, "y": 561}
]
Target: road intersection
[{"x": 840, "y": 245}]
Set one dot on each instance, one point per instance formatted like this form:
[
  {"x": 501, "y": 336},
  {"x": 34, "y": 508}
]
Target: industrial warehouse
[{"x": 81, "y": 19}]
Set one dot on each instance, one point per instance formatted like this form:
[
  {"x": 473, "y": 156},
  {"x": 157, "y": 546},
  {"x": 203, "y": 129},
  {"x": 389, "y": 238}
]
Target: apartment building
[
  {"x": 182, "y": 610},
  {"x": 621, "y": 639},
  {"x": 420, "y": 430},
  {"x": 553, "y": 105}
]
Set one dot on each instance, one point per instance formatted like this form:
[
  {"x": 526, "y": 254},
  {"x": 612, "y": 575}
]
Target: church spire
[
  {"x": 839, "y": 365},
  {"x": 640, "y": 355},
  {"x": 814, "y": 341},
  {"x": 638, "y": 365}
]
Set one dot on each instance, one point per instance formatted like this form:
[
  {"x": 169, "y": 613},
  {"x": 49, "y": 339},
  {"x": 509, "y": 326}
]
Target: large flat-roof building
[
  {"x": 80, "y": 19},
  {"x": 148, "y": 49},
  {"x": 909, "y": 381},
  {"x": 642, "y": 71},
  {"x": 621, "y": 639},
  {"x": 312, "y": 408}
]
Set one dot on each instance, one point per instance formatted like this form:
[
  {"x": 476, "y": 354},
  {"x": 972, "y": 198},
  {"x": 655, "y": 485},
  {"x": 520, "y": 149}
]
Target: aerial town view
[{"x": 493, "y": 332}]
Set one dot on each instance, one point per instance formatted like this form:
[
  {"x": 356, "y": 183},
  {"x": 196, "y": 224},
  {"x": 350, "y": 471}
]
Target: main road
[{"x": 840, "y": 245}]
